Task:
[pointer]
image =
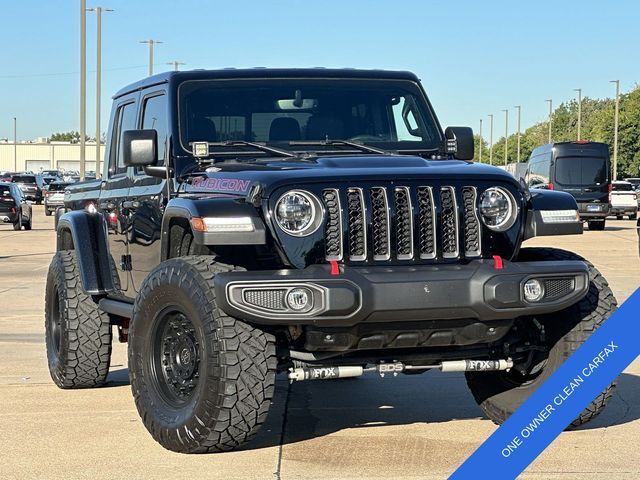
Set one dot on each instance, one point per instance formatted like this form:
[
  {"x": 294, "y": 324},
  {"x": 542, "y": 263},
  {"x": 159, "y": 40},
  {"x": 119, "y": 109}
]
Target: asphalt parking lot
[{"x": 404, "y": 427}]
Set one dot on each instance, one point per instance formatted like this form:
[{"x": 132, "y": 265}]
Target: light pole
[
  {"x": 579, "y": 90},
  {"x": 151, "y": 43},
  {"x": 518, "y": 137},
  {"x": 506, "y": 133},
  {"x": 550, "y": 101},
  {"x": 491, "y": 139},
  {"x": 98, "y": 11},
  {"x": 615, "y": 130},
  {"x": 83, "y": 84},
  {"x": 176, "y": 65},
  {"x": 15, "y": 144},
  {"x": 480, "y": 143}
]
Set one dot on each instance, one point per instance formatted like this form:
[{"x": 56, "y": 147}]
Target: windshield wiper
[
  {"x": 359, "y": 146},
  {"x": 257, "y": 146}
]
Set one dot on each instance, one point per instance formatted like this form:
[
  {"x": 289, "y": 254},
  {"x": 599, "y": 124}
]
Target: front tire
[
  {"x": 202, "y": 381},
  {"x": 499, "y": 394},
  {"x": 78, "y": 333}
]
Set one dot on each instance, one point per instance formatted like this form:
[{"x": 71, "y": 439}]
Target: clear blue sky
[{"x": 474, "y": 57}]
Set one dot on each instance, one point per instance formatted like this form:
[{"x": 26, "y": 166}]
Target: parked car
[
  {"x": 624, "y": 200},
  {"x": 580, "y": 168},
  {"x": 51, "y": 173},
  {"x": 316, "y": 222},
  {"x": 54, "y": 197},
  {"x": 14, "y": 207},
  {"x": 6, "y": 176},
  {"x": 31, "y": 186}
]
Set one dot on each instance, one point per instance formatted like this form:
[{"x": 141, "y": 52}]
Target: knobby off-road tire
[
  {"x": 78, "y": 334},
  {"x": 499, "y": 394},
  {"x": 202, "y": 381},
  {"x": 17, "y": 226}
]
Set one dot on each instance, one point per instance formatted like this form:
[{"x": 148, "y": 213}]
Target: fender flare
[
  {"x": 213, "y": 207},
  {"x": 550, "y": 200},
  {"x": 88, "y": 232}
]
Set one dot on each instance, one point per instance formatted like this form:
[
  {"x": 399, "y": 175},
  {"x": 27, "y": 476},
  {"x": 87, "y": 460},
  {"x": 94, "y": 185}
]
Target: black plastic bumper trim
[{"x": 392, "y": 294}]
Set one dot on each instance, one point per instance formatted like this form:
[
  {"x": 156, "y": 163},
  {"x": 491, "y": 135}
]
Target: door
[
  {"x": 115, "y": 190},
  {"x": 586, "y": 178},
  {"x": 148, "y": 195}
]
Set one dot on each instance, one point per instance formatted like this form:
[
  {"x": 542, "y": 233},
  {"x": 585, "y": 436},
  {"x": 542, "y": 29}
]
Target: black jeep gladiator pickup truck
[{"x": 314, "y": 222}]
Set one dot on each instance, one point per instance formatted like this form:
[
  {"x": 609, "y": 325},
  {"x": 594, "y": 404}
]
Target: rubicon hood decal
[{"x": 222, "y": 185}]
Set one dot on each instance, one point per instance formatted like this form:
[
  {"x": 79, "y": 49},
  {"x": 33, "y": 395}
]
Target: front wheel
[
  {"x": 202, "y": 381},
  {"x": 499, "y": 394}
]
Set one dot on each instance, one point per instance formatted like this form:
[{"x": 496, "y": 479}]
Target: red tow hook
[
  {"x": 335, "y": 269},
  {"x": 497, "y": 262}
]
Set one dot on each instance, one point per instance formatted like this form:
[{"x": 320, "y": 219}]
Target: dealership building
[{"x": 44, "y": 155}]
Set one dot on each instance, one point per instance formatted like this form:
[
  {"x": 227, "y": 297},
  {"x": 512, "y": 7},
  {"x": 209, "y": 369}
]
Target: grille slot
[
  {"x": 416, "y": 222},
  {"x": 426, "y": 215},
  {"x": 449, "y": 222},
  {"x": 471, "y": 223},
  {"x": 357, "y": 226},
  {"x": 404, "y": 224},
  {"x": 333, "y": 228},
  {"x": 380, "y": 231}
]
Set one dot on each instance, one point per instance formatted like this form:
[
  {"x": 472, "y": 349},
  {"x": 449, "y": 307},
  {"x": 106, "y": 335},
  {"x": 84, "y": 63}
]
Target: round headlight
[
  {"x": 498, "y": 209},
  {"x": 298, "y": 213}
]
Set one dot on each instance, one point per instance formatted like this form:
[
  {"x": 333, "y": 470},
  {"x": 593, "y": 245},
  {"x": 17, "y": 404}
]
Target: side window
[
  {"x": 538, "y": 172},
  {"x": 154, "y": 117},
  {"x": 125, "y": 120}
]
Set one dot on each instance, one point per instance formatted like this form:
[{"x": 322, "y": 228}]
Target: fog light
[
  {"x": 299, "y": 299},
  {"x": 533, "y": 290}
]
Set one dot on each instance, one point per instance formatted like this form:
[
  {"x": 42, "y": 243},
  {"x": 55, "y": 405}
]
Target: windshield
[
  {"x": 391, "y": 115},
  {"x": 23, "y": 179},
  {"x": 581, "y": 171},
  {"x": 622, "y": 187},
  {"x": 57, "y": 187}
]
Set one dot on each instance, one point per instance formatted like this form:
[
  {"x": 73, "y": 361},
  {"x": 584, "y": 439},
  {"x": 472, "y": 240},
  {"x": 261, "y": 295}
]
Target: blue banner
[{"x": 559, "y": 400}]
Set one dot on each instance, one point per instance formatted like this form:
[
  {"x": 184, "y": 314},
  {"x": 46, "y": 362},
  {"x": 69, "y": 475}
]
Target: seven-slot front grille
[{"x": 401, "y": 223}]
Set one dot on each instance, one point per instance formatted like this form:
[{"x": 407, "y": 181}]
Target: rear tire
[
  {"x": 47, "y": 212},
  {"x": 29, "y": 224},
  {"x": 202, "y": 381},
  {"x": 596, "y": 224},
  {"x": 633, "y": 216},
  {"x": 78, "y": 333},
  {"x": 499, "y": 394},
  {"x": 619, "y": 217},
  {"x": 17, "y": 226}
]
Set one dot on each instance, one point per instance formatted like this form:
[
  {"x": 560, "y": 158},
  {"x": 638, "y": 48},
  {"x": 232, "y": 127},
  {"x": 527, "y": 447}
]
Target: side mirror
[
  {"x": 459, "y": 142},
  {"x": 140, "y": 148}
]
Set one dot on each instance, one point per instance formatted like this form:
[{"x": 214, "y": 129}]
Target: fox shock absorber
[{"x": 326, "y": 373}]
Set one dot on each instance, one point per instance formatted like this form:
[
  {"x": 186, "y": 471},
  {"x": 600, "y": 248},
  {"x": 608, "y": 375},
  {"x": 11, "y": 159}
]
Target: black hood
[{"x": 238, "y": 177}]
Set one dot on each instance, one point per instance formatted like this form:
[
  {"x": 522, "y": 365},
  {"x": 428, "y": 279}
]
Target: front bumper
[
  {"x": 477, "y": 290},
  {"x": 8, "y": 217}
]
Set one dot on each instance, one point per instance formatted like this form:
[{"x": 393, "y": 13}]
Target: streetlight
[
  {"x": 491, "y": 139},
  {"x": 579, "y": 90},
  {"x": 550, "y": 101},
  {"x": 151, "y": 43},
  {"x": 506, "y": 133},
  {"x": 83, "y": 84},
  {"x": 98, "y": 11},
  {"x": 15, "y": 144},
  {"x": 615, "y": 130},
  {"x": 519, "y": 111},
  {"x": 480, "y": 143},
  {"x": 176, "y": 64}
]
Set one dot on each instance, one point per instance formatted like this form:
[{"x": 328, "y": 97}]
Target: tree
[{"x": 71, "y": 136}]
